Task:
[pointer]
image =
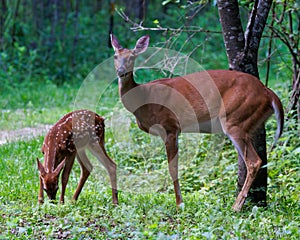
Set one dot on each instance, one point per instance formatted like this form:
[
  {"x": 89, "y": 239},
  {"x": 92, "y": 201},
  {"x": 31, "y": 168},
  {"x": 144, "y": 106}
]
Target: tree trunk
[
  {"x": 242, "y": 52},
  {"x": 111, "y": 21},
  {"x": 76, "y": 37},
  {"x": 16, "y": 13},
  {"x": 136, "y": 8},
  {"x": 3, "y": 15}
]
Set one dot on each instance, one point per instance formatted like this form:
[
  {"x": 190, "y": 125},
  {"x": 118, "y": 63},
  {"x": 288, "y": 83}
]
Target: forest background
[{"x": 48, "y": 48}]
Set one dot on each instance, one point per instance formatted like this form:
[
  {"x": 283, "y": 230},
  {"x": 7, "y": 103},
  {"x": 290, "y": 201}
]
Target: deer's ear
[
  {"x": 59, "y": 167},
  {"x": 114, "y": 42},
  {"x": 41, "y": 167},
  {"x": 141, "y": 45}
]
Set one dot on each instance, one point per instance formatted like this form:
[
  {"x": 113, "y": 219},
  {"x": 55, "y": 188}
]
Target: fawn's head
[
  {"x": 124, "y": 58},
  {"x": 50, "y": 179}
]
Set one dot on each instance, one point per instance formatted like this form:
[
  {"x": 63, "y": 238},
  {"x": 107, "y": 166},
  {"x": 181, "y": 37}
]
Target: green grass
[
  {"x": 141, "y": 214},
  {"x": 208, "y": 175}
]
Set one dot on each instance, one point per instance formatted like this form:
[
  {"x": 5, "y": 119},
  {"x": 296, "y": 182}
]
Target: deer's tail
[{"x": 279, "y": 114}]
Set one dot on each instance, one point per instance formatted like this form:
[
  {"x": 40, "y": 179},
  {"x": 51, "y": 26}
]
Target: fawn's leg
[
  {"x": 253, "y": 164},
  {"x": 65, "y": 175},
  {"x": 171, "y": 144},
  {"x": 99, "y": 151},
  {"x": 41, "y": 192},
  {"x": 86, "y": 168}
]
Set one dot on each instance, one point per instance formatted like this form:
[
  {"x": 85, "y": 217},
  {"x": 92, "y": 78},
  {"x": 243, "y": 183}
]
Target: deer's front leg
[
  {"x": 41, "y": 192},
  {"x": 171, "y": 144},
  {"x": 65, "y": 176}
]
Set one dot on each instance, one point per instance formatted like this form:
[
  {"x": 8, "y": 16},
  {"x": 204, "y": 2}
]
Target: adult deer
[
  {"x": 226, "y": 101},
  {"x": 69, "y": 138}
]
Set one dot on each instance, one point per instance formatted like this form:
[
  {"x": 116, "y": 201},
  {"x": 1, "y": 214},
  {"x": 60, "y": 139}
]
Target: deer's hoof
[
  {"x": 180, "y": 206},
  {"x": 236, "y": 208}
]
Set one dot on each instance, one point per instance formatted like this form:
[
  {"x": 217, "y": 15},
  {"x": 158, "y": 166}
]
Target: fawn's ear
[
  {"x": 59, "y": 167},
  {"x": 114, "y": 42},
  {"x": 41, "y": 167},
  {"x": 141, "y": 45}
]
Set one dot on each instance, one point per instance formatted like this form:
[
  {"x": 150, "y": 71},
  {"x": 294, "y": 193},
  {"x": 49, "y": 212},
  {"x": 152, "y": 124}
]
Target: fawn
[{"x": 69, "y": 138}]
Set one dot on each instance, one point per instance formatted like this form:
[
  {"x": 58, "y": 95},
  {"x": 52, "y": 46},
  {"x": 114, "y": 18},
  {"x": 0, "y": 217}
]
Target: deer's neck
[
  {"x": 50, "y": 163},
  {"x": 126, "y": 83},
  {"x": 50, "y": 148}
]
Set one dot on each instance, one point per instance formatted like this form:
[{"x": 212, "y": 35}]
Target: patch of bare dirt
[{"x": 23, "y": 133}]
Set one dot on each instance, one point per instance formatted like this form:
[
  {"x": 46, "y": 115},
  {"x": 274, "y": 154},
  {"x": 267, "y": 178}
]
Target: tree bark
[
  {"x": 3, "y": 15},
  {"x": 233, "y": 33},
  {"x": 76, "y": 37},
  {"x": 242, "y": 52},
  {"x": 136, "y": 8},
  {"x": 16, "y": 14}
]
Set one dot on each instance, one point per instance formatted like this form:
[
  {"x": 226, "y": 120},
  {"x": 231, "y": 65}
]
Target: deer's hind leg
[
  {"x": 98, "y": 150},
  {"x": 253, "y": 163},
  {"x": 86, "y": 168}
]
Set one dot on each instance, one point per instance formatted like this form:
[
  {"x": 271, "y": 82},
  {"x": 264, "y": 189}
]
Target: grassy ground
[{"x": 147, "y": 204}]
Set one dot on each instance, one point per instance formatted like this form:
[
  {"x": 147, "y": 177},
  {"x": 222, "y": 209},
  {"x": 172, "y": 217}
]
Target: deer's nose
[{"x": 121, "y": 71}]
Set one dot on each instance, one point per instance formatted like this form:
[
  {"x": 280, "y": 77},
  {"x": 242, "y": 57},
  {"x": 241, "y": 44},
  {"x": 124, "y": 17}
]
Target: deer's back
[{"x": 75, "y": 129}]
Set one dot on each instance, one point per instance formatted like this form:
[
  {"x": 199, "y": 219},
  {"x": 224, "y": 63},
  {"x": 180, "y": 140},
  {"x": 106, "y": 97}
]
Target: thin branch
[
  {"x": 294, "y": 100},
  {"x": 290, "y": 21},
  {"x": 139, "y": 26},
  {"x": 199, "y": 7},
  {"x": 270, "y": 47},
  {"x": 249, "y": 29},
  {"x": 280, "y": 20},
  {"x": 285, "y": 40}
]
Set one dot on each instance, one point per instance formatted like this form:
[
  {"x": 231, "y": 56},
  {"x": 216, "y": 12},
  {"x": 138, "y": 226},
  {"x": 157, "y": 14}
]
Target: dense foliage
[{"x": 60, "y": 42}]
